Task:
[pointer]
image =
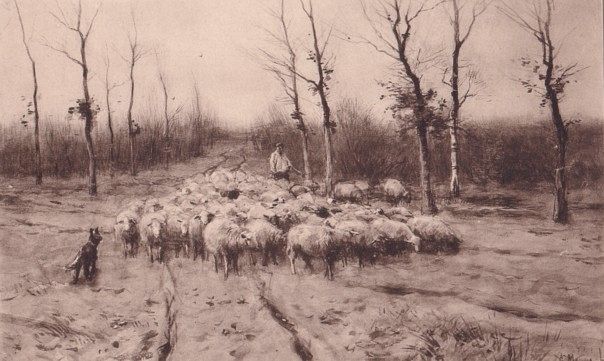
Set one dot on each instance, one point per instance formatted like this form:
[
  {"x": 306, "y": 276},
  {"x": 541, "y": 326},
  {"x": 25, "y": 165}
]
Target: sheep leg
[
  {"x": 274, "y": 255},
  {"x": 330, "y": 265},
  {"x": 150, "y": 252},
  {"x": 265, "y": 255},
  {"x": 225, "y": 259},
  {"x": 215, "y": 263},
  {"x": 235, "y": 258},
  {"x": 292, "y": 260}
]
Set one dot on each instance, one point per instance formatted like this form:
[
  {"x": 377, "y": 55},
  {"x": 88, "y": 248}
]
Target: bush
[
  {"x": 504, "y": 151},
  {"x": 64, "y": 150}
]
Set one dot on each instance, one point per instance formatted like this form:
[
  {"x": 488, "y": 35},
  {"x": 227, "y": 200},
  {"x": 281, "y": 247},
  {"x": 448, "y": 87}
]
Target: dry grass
[{"x": 64, "y": 150}]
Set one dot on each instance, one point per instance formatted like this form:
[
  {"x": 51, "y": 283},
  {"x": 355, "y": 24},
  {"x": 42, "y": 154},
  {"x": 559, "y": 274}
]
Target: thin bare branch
[{"x": 64, "y": 52}]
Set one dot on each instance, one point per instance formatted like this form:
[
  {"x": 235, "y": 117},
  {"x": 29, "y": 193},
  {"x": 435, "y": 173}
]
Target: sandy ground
[{"x": 521, "y": 288}]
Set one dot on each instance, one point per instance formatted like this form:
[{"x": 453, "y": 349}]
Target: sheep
[
  {"x": 394, "y": 235},
  {"x": 194, "y": 232},
  {"x": 241, "y": 176},
  {"x": 297, "y": 190},
  {"x": 400, "y": 214},
  {"x": 153, "y": 233},
  {"x": 219, "y": 176},
  {"x": 348, "y": 192},
  {"x": 266, "y": 238},
  {"x": 362, "y": 185},
  {"x": 176, "y": 230},
  {"x": 312, "y": 185},
  {"x": 355, "y": 239},
  {"x": 136, "y": 207},
  {"x": 126, "y": 231},
  {"x": 394, "y": 191},
  {"x": 224, "y": 239},
  {"x": 309, "y": 241},
  {"x": 436, "y": 235},
  {"x": 277, "y": 196},
  {"x": 152, "y": 205}
]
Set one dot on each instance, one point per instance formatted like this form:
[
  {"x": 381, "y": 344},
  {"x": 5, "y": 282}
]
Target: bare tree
[
  {"x": 411, "y": 94},
  {"x": 535, "y": 17},
  {"x": 320, "y": 87},
  {"x": 285, "y": 71},
  {"x": 135, "y": 54},
  {"x": 37, "y": 155},
  {"x": 168, "y": 117},
  {"x": 460, "y": 36},
  {"x": 85, "y": 106},
  {"x": 108, "y": 88}
]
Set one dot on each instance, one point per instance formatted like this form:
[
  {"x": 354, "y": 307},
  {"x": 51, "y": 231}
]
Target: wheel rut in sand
[{"x": 298, "y": 344}]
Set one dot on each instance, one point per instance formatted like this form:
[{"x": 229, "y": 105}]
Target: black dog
[{"x": 86, "y": 257}]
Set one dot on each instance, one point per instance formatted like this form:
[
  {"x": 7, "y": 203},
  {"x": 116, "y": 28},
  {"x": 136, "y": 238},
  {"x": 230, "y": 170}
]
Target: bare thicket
[
  {"x": 109, "y": 86},
  {"x": 392, "y": 26},
  {"x": 285, "y": 70},
  {"x": 461, "y": 76},
  {"x": 535, "y": 17},
  {"x": 135, "y": 54},
  {"x": 85, "y": 107},
  {"x": 168, "y": 115},
  {"x": 36, "y": 113}
]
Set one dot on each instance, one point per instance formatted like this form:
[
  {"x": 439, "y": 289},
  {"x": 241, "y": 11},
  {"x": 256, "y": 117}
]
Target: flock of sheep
[{"x": 229, "y": 213}]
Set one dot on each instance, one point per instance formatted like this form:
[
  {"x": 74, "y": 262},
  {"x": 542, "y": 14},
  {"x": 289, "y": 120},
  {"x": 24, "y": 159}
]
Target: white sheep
[
  {"x": 308, "y": 241},
  {"x": 344, "y": 191},
  {"x": 153, "y": 234},
  {"x": 126, "y": 231},
  {"x": 398, "y": 213},
  {"x": 152, "y": 205},
  {"x": 355, "y": 238},
  {"x": 196, "y": 225},
  {"x": 394, "y": 191},
  {"x": 436, "y": 235},
  {"x": 394, "y": 235},
  {"x": 224, "y": 239},
  {"x": 266, "y": 238},
  {"x": 296, "y": 190},
  {"x": 176, "y": 230},
  {"x": 274, "y": 196}
]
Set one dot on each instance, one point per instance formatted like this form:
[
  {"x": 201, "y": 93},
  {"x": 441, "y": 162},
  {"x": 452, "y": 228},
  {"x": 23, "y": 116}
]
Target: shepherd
[{"x": 280, "y": 164}]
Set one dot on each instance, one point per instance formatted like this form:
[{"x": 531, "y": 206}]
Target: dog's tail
[{"x": 74, "y": 263}]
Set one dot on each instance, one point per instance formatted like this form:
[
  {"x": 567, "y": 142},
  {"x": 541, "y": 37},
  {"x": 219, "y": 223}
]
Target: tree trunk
[
  {"x": 38, "y": 155},
  {"x": 307, "y": 169},
  {"x": 111, "y": 136},
  {"x": 455, "y": 189},
  {"x": 88, "y": 118},
  {"x": 428, "y": 204},
  {"x": 328, "y": 161},
  {"x": 560, "y": 201},
  {"x": 131, "y": 133}
]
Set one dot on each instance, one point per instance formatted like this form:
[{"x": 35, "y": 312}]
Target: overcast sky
[{"x": 215, "y": 42}]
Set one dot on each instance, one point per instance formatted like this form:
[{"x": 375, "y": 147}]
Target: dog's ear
[
  {"x": 91, "y": 230},
  {"x": 96, "y": 230}
]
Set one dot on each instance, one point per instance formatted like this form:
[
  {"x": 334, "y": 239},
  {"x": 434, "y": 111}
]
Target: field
[{"x": 521, "y": 288}]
